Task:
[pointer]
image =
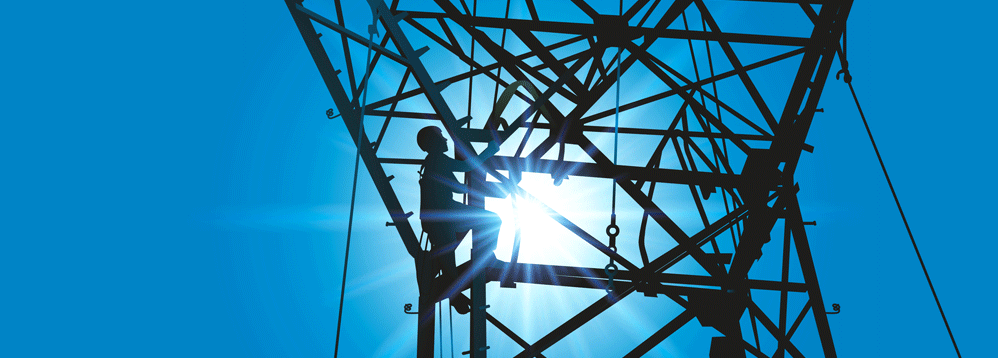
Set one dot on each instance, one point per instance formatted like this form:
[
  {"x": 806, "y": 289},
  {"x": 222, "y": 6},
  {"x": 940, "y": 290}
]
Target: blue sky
[{"x": 172, "y": 187}]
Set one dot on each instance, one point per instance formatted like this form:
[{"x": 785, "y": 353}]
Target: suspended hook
[
  {"x": 611, "y": 271},
  {"x": 612, "y": 231},
  {"x": 330, "y": 113},
  {"x": 835, "y": 309},
  {"x": 408, "y": 309},
  {"x": 844, "y": 70},
  {"x": 372, "y": 29}
]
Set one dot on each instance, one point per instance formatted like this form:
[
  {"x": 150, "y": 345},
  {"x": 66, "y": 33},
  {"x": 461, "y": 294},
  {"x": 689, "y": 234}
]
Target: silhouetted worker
[{"x": 444, "y": 219}]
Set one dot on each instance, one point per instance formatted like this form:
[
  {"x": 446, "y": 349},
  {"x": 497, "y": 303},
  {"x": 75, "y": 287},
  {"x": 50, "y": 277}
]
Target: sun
[{"x": 542, "y": 239}]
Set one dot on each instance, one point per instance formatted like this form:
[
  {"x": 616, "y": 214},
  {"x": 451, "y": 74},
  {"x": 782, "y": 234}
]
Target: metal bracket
[
  {"x": 479, "y": 349},
  {"x": 330, "y": 113},
  {"x": 405, "y": 217}
]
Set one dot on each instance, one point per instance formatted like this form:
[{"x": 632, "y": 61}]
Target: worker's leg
[
  {"x": 448, "y": 265},
  {"x": 444, "y": 241}
]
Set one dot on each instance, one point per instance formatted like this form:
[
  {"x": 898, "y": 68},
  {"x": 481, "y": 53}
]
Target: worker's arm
[
  {"x": 470, "y": 164},
  {"x": 490, "y": 189}
]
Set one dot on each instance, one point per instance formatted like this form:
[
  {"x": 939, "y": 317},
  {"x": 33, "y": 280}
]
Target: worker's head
[{"x": 431, "y": 140}]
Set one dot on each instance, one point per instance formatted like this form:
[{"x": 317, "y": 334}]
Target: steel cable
[
  {"x": 353, "y": 193},
  {"x": 848, "y": 80}
]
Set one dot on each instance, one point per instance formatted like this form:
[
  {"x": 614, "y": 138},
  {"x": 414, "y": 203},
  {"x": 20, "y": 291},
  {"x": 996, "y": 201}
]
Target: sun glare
[{"x": 543, "y": 240}]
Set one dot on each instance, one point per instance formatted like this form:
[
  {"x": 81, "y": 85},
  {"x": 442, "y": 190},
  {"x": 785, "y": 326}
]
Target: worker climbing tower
[{"x": 657, "y": 140}]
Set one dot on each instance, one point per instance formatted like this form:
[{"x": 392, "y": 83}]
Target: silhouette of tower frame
[{"x": 737, "y": 150}]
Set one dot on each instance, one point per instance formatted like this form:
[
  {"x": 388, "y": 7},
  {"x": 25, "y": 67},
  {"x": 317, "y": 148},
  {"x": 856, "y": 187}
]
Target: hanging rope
[
  {"x": 440, "y": 327},
  {"x": 848, "y": 80},
  {"x": 450, "y": 307},
  {"x": 502, "y": 44},
  {"x": 724, "y": 143},
  {"x": 450, "y": 316},
  {"x": 371, "y": 30},
  {"x": 613, "y": 230},
  {"x": 471, "y": 82}
]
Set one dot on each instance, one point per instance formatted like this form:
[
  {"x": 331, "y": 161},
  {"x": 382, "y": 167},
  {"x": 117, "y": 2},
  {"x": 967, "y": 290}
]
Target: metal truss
[{"x": 717, "y": 135}]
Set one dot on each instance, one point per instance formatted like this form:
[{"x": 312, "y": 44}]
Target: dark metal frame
[{"x": 762, "y": 194}]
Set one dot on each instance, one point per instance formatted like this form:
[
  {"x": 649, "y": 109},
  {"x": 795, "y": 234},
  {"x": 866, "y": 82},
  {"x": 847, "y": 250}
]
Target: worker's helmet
[{"x": 426, "y": 137}]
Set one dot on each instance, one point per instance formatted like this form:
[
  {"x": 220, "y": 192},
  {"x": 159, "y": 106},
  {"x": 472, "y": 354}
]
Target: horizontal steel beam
[
  {"x": 596, "y": 278},
  {"x": 620, "y": 172},
  {"x": 595, "y": 30}
]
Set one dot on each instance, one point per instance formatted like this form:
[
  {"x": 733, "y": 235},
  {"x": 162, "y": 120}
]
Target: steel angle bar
[
  {"x": 633, "y": 10},
  {"x": 796, "y": 121},
  {"x": 575, "y": 229},
  {"x": 366, "y": 78},
  {"x": 654, "y": 211},
  {"x": 547, "y": 57},
  {"x": 350, "y": 34},
  {"x": 403, "y": 114},
  {"x": 784, "y": 277},
  {"x": 485, "y": 69},
  {"x": 687, "y": 97},
  {"x": 589, "y": 277},
  {"x": 810, "y": 276},
  {"x": 672, "y": 133},
  {"x": 708, "y": 95},
  {"x": 783, "y": 340},
  {"x": 502, "y": 63},
  {"x": 620, "y": 172},
  {"x": 509, "y": 333},
  {"x": 513, "y": 65},
  {"x": 593, "y": 30},
  {"x": 802, "y": 2},
  {"x": 661, "y": 334},
  {"x": 800, "y": 318},
  {"x": 587, "y": 314},
  {"x": 736, "y": 64},
  {"x": 599, "y": 89},
  {"x": 673, "y": 256},
  {"x": 352, "y": 120},
  {"x": 420, "y": 74},
  {"x": 698, "y": 85},
  {"x": 388, "y": 120}
]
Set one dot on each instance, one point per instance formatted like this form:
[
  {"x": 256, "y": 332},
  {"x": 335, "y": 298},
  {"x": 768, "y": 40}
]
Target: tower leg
[
  {"x": 424, "y": 344},
  {"x": 479, "y": 255},
  {"x": 730, "y": 345},
  {"x": 478, "y": 313},
  {"x": 425, "y": 334},
  {"x": 811, "y": 278}
]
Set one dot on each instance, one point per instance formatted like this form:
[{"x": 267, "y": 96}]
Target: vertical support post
[
  {"x": 729, "y": 345},
  {"x": 352, "y": 119},
  {"x": 425, "y": 334},
  {"x": 425, "y": 270},
  {"x": 479, "y": 257}
]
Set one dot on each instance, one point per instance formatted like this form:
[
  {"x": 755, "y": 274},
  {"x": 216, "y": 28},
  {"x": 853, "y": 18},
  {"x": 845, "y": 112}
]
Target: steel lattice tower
[{"x": 713, "y": 145}]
